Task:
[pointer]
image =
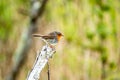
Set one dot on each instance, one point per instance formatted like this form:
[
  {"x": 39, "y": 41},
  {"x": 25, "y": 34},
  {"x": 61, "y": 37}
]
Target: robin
[{"x": 50, "y": 39}]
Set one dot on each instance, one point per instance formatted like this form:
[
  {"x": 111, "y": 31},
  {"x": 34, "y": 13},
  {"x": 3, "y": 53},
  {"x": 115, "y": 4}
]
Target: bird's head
[{"x": 58, "y": 34}]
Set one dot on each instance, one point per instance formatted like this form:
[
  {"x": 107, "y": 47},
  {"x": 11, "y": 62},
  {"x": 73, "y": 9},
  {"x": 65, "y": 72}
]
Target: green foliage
[
  {"x": 102, "y": 30},
  {"x": 104, "y": 58},
  {"x": 5, "y": 19},
  {"x": 112, "y": 65},
  {"x": 97, "y": 11},
  {"x": 90, "y": 34}
]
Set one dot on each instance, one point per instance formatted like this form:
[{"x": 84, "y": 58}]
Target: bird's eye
[{"x": 59, "y": 34}]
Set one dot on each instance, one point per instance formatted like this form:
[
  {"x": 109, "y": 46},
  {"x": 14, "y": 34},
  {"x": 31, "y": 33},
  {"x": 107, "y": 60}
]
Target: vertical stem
[
  {"x": 103, "y": 60},
  {"x": 103, "y": 76},
  {"x": 48, "y": 71},
  {"x": 118, "y": 34},
  {"x": 86, "y": 64}
]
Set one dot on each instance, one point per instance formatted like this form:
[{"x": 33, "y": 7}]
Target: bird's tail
[
  {"x": 37, "y": 35},
  {"x": 42, "y": 37}
]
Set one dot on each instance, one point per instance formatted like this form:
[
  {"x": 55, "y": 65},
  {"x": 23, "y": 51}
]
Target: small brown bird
[{"x": 52, "y": 38}]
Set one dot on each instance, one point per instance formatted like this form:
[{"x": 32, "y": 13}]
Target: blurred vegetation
[{"x": 89, "y": 50}]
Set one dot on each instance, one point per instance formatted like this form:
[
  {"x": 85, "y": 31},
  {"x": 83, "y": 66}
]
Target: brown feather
[
  {"x": 37, "y": 35},
  {"x": 48, "y": 37}
]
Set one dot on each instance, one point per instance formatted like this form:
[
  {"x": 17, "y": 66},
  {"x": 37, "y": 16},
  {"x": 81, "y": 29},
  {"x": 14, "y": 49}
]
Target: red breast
[{"x": 58, "y": 37}]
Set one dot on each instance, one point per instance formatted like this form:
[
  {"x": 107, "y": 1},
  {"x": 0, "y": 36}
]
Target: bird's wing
[
  {"x": 44, "y": 37},
  {"x": 48, "y": 37}
]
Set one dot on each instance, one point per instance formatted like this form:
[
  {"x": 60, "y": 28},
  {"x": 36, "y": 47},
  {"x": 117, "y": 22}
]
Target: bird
[{"x": 50, "y": 39}]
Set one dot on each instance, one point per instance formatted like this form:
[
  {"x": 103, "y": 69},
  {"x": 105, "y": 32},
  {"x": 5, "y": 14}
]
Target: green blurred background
[{"x": 89, "y": 50}]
